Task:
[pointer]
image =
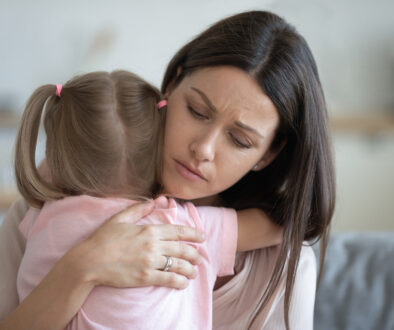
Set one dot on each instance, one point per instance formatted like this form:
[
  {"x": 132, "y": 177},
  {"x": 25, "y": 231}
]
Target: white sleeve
[
  {"x": 302, "y": 299},
  {"x": 12, "y": 248},
  {"x": 235, "y": 303}
]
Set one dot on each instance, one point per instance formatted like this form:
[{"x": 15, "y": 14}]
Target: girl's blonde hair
[{"x": 103, "y": 138}]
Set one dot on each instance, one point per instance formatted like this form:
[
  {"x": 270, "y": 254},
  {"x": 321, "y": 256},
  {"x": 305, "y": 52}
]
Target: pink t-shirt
[{"x": 58, "y": 226}]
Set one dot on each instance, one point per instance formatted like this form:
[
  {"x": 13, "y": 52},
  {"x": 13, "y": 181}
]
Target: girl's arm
[
  {"x": 120, "y": 254},
  {"x": 54, "y": 302},
  {"x": 256, "y": 230}
]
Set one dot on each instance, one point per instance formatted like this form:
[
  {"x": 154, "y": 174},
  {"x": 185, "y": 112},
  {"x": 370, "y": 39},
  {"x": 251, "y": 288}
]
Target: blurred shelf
[
  {"x": 363, "y": 124},
  {"x": 6, "y": 199},
  {"x": 9, "y": 119},
  {"x": 368, "y": 124}
]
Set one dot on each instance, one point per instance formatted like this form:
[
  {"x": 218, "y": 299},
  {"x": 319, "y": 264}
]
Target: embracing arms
[
  {"x": 111, "y": 256},
  {"x": 118, "y": 254}
]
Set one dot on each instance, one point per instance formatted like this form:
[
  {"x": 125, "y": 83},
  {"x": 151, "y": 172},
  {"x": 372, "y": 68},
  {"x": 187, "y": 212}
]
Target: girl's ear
[
  {"x": 268, "y": 157},
  {"x": 171, "y": 85}
]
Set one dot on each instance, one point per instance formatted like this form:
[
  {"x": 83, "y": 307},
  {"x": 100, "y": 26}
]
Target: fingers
[
  {"x": 169, "y": 232},
  {"x": 168, "y": 279},
  {"x": 135, "y": 212},
  {"x": 180, "y": 266},
  {"x": 180, "y": 250}
]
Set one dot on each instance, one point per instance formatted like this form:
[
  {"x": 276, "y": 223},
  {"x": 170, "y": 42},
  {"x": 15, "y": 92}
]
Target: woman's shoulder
[
  {"x": 13, "y": 218},
  {"x": 12, "y": 242},
  {"x": 9, "y": 231},
  {"x": 16, "y": 211},
  {"x": 12, "y": 247},
  {"x": 307, "y": 258}
]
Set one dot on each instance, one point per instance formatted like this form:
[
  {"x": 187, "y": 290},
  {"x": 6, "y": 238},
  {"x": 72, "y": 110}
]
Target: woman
[{"x": 246, "y": 127}]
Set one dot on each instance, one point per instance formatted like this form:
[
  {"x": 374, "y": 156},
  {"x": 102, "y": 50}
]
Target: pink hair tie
[
  {"x": 58, "y": 89},
  {"x": 161, "y": 104}
]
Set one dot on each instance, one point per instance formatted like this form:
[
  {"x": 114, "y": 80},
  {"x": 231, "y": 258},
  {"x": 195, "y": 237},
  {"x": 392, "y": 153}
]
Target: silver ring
[{"x": 168, "y": 264}]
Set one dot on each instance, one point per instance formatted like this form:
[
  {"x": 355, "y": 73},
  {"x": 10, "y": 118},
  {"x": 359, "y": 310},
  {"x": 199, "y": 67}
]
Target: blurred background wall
[{"x": 46, "y": 41}]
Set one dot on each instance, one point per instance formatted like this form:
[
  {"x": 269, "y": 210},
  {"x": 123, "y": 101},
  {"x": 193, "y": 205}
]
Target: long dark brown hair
[
  {"x": 298, "y": 188},
  {"x": 103, "y": 138}
]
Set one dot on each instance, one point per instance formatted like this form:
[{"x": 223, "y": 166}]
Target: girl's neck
[{"x": 213, "y": 200}]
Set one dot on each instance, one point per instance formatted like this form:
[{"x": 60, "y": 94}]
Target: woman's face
[{"x": 219, "y": 126}]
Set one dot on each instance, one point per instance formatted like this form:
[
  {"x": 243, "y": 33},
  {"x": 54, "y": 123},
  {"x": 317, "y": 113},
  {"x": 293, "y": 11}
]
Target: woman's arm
[
  {"x": 303, "y": 296},
  {"x": 256, "y": 230},
  {"x": 119, "y": 254},
  {"x": 302, "y": 301},
  {"x": 235, "y": 305}
]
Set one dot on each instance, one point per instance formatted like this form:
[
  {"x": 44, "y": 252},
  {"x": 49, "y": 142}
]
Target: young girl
[{"x": 103, "y": 152}]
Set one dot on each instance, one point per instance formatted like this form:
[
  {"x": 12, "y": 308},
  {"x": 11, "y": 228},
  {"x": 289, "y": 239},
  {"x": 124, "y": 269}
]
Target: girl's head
[
  {"x": 103, "y": 137},
  {"x": 255, "y": 69}
]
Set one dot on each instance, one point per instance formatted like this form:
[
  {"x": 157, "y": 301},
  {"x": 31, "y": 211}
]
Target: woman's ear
[
  {"x": 172, "y": 84},
  {"x": 268, "y": 157}
]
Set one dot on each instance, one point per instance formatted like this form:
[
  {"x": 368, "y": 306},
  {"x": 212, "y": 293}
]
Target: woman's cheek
[
  {"x": 230, "y": 172},
  {"x": 238, "y": 165}
]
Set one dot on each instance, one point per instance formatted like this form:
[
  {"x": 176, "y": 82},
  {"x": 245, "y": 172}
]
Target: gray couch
[{"x": 357, "y": 287}]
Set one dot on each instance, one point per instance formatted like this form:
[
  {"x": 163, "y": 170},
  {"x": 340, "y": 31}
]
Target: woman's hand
[{"x": 122, "y": 254}]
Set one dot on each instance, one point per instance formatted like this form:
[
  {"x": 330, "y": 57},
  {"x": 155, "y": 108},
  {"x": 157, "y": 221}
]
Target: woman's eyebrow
[
  {"x": 213, "y": 108},
  {"x": 248, "y": 128},
  {"x": 205, "y": 99}
]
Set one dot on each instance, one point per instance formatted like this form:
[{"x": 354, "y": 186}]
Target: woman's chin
[{"x": 197, "y": 199}]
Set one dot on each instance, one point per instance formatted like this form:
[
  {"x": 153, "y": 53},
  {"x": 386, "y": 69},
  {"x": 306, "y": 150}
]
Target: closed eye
[
  {"x": 239, "y": 143},
  {"x": 196, "y": 113},
  {"x": 236, "y": 141}
]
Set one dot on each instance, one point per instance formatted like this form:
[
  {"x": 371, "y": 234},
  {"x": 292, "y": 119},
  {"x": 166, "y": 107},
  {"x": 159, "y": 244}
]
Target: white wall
[
  {"x": 49, "y": 41},
  {"x": 365, "y": 183}
]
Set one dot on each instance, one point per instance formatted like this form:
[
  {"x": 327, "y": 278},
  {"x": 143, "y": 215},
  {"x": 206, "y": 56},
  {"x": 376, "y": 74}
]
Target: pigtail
[{"x": 31, "y": 184}]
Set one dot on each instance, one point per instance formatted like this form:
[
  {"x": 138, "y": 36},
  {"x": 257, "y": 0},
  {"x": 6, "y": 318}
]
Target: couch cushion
[{"x": 357, "y": 286}]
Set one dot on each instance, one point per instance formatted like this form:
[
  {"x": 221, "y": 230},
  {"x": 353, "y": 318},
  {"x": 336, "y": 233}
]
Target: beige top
[{"x": 234, "y": 303}]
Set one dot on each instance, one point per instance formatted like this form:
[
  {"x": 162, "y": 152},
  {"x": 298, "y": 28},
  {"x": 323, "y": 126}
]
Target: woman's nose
[{"x": 203, "y": 147}]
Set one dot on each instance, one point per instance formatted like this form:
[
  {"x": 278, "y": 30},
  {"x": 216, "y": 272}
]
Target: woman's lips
[{"x": 187, "y": 172}]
